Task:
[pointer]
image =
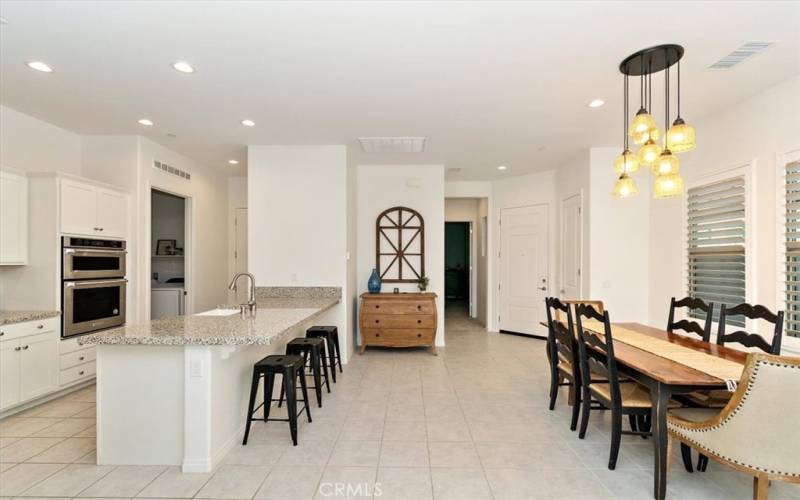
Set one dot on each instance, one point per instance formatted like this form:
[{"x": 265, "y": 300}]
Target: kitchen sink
[{"x": 218, "y": 312}]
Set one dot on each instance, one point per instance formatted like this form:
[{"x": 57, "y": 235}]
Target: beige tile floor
[{"x": 471, "y": 423}]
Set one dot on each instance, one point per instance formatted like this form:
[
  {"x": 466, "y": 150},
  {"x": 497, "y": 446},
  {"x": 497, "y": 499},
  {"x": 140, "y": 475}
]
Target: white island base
[{"x": 159, "y": 405}]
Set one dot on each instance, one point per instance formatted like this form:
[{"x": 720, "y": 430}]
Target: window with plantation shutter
[
  {"x": 792, "y": 256},
  {"x": 716, "y": 244}
]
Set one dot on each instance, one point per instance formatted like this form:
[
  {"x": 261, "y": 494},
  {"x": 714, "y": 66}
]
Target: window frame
[
  {"x": 790, "y": 344},
  {"x": 745, "y": 170}
]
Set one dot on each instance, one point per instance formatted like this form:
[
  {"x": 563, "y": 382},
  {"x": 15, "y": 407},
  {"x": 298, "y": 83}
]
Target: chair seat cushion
[
  {"x": 633, "y": 395},
  {"x": 565, "y": 366}
]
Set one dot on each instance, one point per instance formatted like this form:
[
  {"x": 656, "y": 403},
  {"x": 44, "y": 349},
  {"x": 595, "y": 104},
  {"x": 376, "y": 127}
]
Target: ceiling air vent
[
  {"x": 744, "y": 52},
  {"x": 171, "y": 170},
  {"x": 392, "y": 144}
]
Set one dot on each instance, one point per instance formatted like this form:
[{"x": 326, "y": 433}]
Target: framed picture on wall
[{"x": 165, "y": 247}]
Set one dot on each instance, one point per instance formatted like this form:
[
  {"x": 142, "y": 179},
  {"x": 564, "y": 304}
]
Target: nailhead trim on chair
[{"x": 732, "y": 414}]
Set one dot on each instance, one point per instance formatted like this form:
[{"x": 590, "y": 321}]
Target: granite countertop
[
  {"x": 11, "y": 317},
  {"x": 275, "y": 317}
]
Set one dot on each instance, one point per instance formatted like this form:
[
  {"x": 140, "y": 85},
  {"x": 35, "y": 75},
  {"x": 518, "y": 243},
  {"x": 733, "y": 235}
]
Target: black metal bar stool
[
  {"x": 313, "y": 351},
  {"x": 331, "y": 336},
  {"x": 291, "y": 368}
]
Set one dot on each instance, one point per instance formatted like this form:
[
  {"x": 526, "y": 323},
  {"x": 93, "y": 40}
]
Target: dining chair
[
  {"x": 597, "y": 304},
  {"x": 740, "y": 437},
  {"x": 751, "y": 339},
  {"x": 687, "y": 325},
  {"x": 563, "y": 355},
  {"x": 596, "y": 355}
]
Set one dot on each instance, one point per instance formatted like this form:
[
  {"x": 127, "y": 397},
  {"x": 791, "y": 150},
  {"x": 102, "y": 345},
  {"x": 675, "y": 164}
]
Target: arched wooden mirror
[{"x": 400, "y": 245}]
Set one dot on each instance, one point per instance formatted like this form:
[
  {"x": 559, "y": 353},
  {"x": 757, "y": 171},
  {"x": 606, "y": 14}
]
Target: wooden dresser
[{"x": 398, "y": 320}]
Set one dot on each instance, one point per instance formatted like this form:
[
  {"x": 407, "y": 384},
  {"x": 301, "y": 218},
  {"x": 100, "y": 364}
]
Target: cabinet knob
[
  {"x": 25, "y": 347},
  {"x": 81, "y": 358},
  {"x": 81, "y": 373},
  {"x": 40, "y": 327},
  {"x": 2, "y": 333},
  {"x": 17, "y": 348}
]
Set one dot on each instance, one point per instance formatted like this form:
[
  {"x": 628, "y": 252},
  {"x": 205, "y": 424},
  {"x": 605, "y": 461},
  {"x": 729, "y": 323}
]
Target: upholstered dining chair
[
  {"x": 754, "y": 432},
  {"x": 601, "y": 382},
  {"x": 756, "y": 312},
  {"x": 562, "y": 350},
  {"x": 687, "y": 325}
]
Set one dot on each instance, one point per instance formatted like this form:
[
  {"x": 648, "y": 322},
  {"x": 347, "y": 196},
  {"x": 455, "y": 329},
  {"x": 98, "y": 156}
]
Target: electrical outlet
[{"x": 196, "y": 368}]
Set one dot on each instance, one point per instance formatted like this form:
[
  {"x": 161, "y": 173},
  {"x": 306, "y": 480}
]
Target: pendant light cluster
[{"x": 680, "y": 137}]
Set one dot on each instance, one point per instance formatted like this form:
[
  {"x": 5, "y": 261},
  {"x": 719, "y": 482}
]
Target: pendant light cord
[
  {"x": 666, "y": 100},
  {"x": 625, "y": 114},
  {"x": 679, "y": 88}
]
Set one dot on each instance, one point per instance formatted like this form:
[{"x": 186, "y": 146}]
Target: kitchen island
[{"x": 174, "y": 391}]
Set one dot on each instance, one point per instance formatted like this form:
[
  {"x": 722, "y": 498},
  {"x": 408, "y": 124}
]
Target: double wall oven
[{"x": 93, "y": 284}]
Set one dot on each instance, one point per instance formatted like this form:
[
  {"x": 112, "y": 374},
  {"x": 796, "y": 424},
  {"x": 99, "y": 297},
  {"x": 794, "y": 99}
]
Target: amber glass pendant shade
[
  {"x": 627, "y": 162},
  {"x": 649, "y": 153},
  {"x": 625, "y": 187},
  {"x": 680, "y": 137},
  {"x": 666, "y": 164},
  {"x": 642, "y": 126},
  {"x": 668, "y": 186}
]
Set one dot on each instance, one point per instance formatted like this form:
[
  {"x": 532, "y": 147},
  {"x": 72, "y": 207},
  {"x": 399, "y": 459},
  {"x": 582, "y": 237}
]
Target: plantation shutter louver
[
  {"x": 716, "y": 245},
  {"x": 792, "y": 234}
]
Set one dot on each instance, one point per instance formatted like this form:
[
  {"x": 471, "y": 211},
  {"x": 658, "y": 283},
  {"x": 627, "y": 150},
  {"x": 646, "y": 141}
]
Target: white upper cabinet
[
  {"x": 93, "y": 211},
  {"x": 13, "y": 219}
]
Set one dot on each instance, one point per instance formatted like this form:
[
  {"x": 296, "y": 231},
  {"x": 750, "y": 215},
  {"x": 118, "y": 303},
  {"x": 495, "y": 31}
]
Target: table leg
[{"x": 659, "y": 396}]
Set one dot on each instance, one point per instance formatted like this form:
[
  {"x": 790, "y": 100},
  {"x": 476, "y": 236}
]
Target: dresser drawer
[
  {"x": 77, "y": 373},
  {"x": 394, "y": 337},
  {"x": 399, "y": 321},
  {"x": 74, "y": 358},
  {"x": 399, "y": 307},
  {"x": 17, "y": 330}
]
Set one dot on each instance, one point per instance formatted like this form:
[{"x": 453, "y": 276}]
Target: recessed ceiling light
[
  {"x": 502, "y": 167},
  {"x": 40, "y": 66},
  {"x": 183, "y": 67},
  {"x": 233, "y": 162},
  {"x": 596, "y": 103},
  {"x": 248, "y": 123},
  {"x": 146, "y": 122}
]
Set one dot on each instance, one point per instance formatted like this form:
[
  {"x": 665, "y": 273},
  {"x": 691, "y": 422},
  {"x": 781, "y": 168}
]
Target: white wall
[
  {"x": 759, "y": 129},
  {"x": 297, "y": 235},
  {"x": 620, "y": 241},
  {"x": 384, "y": 186},
  {"x": 36, "y": 146},
  {"x": 351, "y": 298},
  {"x": 520, "y": 191},
  {"x": 237, "y": 198}
]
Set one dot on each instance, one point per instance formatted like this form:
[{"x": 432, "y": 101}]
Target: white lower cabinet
[
  {"x": 28, "y": 363},
  {"x": 77, "y": 362}
]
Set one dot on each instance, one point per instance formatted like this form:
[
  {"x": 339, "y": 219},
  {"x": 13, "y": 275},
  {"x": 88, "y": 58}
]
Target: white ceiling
[{"x": 486, "y": 83}]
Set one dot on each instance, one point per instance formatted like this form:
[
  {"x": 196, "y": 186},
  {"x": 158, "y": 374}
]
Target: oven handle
[
  {"x": 80, "y": 284},
  {"x": 94, "y": 250}
]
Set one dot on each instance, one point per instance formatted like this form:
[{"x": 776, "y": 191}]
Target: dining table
[{"x": 666, "y": 377}]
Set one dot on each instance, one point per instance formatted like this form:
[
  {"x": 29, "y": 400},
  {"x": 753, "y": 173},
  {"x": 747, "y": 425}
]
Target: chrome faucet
[{"x": 250, "y": 306}]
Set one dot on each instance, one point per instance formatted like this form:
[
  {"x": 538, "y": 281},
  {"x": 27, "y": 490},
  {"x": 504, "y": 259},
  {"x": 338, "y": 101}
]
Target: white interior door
[
  {"x": 571, "y": 247},
  {"x": 240, "y": 252},
  {"x": 523, "y": 268}
]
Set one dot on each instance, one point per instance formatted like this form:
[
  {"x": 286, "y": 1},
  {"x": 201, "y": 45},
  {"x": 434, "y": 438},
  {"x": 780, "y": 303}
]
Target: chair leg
[
  {"x": 702, "y": 463},
  {"x": 290, "y": 384},
  {"x": 686, "y": 455},
  {"x": 304, "y": 390},
  {"x": 324, "y": 358},
  {"x": 332, "y": 355},
  {"x": 585, "y": 409},
  {"x": 338, "y": 353},
  {"x": 643, "y": 423},
  {"x": 632, "y": 420},
  {"x": 315, "y": 371},
  {"x": 576, "y": 408},
  {"x": 554, "y": 378},
  {"x": 269, "y": 385},
  {"x": 250, "y": 406},
  {"x": 616, "y": 436},
  {"x": 760, "y": 487}
]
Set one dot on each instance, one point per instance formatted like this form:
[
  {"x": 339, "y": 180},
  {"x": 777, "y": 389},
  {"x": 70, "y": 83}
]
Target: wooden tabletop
[{"x": 667, "y": 371}]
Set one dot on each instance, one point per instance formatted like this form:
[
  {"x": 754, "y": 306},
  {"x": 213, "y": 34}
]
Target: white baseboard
[{"x": 44, "y": 399}]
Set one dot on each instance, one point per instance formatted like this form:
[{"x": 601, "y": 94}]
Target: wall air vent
[
  {"x": 743, "y": 53},
  {"x": 171, "y": 170},
  {"x": 392, "y": 144}
]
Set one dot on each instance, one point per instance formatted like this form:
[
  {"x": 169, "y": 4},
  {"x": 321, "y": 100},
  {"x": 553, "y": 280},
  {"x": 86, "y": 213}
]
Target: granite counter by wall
[
  {"x": 275, "y": 317},
  {"x": 11, "y": 317},
  {"x": 309, "y": 292}
]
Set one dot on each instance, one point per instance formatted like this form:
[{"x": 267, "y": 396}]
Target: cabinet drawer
[
  {"x": 399, "y": 307},
  {"x": 392, "y": 337},
  {"x": 75, "y": 358},
  {"x": 398, "y": 321},
  {"x": 18, "y": 330},
  {"x": 77, "y": 373},
  {"x": 71, "y": 345}
]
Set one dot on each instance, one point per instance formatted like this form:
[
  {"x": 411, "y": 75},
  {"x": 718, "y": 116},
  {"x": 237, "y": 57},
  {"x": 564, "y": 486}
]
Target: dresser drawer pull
[
  {"x": 419, "y": 335},
  {"x": 377, "y": 334},
  {"x": 419, "y": 307},
  {"x": 377, "y": 321},
  {"x": 377, "y": 306},
  {"x": 419, "y": 321}
]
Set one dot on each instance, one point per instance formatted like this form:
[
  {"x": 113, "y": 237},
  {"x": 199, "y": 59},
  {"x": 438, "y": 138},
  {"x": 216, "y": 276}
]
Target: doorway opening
[
  {"x": 168, "y": 245},
  {"x": 457, "y": 267}
]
